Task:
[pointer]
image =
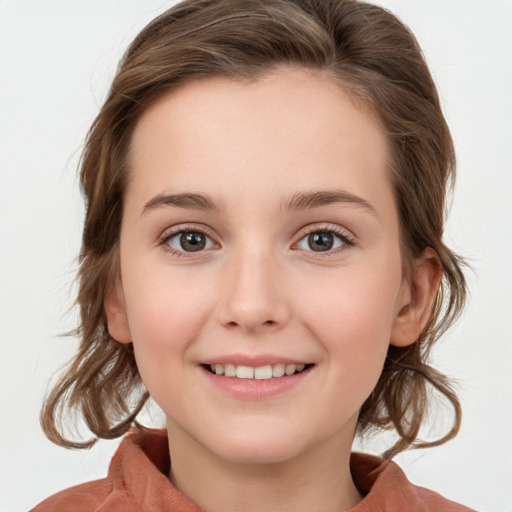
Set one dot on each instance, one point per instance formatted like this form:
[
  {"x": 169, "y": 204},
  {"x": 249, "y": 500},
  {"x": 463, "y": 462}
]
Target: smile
[{"x": 257, "y": 373}]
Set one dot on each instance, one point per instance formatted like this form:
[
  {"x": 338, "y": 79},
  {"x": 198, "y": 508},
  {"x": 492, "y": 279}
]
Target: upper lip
[{"x": 252, "y": 360}]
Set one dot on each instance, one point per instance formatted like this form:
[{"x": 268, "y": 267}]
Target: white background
[{"x": 57, "y": 59}]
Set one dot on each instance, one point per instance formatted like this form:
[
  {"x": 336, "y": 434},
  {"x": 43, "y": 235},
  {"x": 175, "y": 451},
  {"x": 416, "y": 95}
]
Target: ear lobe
[
  {"x": 115, "y": 311},
  {"x": 417, "y": 299}
]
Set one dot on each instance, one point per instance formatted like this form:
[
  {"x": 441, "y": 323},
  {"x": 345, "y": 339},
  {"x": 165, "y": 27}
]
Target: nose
[{"x": 252, "y": 296}]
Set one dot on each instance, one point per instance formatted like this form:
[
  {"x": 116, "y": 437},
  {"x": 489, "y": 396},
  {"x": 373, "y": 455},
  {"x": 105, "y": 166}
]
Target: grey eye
[
  {"x": 320, "y": 241},
  {"x": 190, "y": 241}
]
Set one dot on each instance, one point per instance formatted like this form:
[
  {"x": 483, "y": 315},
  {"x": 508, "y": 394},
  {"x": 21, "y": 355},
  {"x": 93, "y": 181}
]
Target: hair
[{"x": 371, "y": 55}]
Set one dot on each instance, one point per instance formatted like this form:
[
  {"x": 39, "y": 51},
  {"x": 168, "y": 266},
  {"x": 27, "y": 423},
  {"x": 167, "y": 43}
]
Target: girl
[{"x": 263, "y": 256}]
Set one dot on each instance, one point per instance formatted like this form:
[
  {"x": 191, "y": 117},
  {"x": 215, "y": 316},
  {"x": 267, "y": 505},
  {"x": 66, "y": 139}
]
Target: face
[{"x": 259, "y": 237}]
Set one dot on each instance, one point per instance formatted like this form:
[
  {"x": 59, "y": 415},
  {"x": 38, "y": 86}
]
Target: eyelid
[
  {"x": 344, "y": 234},
  {"x": 173, "y": 231}
]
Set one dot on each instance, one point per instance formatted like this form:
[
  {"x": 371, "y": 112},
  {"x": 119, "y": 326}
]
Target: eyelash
[
  {"x": 343, "y": 235},
  {"x": 164, "y": 241},
  {"x": 347, "y": 239}
]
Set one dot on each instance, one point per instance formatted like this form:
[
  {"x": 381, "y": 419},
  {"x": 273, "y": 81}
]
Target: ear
[
  {"x": 115, "y": 311},
  {"x": 417, "y": 299}
]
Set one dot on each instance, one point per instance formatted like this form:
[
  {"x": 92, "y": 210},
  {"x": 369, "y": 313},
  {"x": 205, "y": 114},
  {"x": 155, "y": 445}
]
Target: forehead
[{"x": 294, "y": 127}]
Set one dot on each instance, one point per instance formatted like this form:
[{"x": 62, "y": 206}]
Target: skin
[{"x": 258, "y": 288}]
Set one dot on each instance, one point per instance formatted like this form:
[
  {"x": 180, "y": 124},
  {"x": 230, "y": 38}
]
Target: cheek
[
  {"x": 165, "y": 315},
  {"x": 352, "y": 319},
  {"x": 352, "y": 304}
]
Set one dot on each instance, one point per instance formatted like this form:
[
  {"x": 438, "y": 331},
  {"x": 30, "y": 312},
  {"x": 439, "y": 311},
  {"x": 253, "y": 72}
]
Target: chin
[{"x": 261, "y": 447}]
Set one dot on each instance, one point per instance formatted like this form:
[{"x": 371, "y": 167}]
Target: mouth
[{"x": 266, "y": 372}]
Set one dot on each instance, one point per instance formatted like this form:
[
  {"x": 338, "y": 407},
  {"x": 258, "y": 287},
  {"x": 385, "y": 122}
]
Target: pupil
[
  {"x": 192, "y": 241},
  {"x": 320, "y": 241}
]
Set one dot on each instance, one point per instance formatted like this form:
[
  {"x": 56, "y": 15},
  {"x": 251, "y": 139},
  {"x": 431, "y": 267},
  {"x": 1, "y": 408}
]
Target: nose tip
[
  {"x": 250, "y": 298},
  {"x": 250, "y": 317}
]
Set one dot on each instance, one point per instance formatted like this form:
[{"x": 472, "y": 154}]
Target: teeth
[
  {"x": 278, "y": 370},
  {"x": 230, "y": 370},
  {"x": 260, "y": 373},
  {"x": 263, "y": 372},
  {"x": 245, "y": 372},
  {"x": 290, "y": 369}
]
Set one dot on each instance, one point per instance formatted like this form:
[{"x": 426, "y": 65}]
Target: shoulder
[
  {"x": 83, "y": 497},
  {"x": 386, "y": 488},
  {"x": 137, "y": 480}
]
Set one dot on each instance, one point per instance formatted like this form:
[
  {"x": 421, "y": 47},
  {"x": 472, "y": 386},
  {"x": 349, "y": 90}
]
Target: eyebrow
[
  {"x": 187, "y": 200},
  {"x": 315, "y": 199},
  {"x": 297, "y": 202}
]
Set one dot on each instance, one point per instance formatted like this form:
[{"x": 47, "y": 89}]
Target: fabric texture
[{"x": 137, "y": 482}]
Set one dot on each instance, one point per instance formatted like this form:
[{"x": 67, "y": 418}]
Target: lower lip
[{"x": 254, "y": 389}]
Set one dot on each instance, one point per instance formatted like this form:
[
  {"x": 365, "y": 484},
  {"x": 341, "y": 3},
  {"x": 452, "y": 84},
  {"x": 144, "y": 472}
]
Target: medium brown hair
[{"x": 369, "y": 53}]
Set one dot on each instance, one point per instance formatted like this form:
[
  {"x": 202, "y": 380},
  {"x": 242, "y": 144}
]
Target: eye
[
  {"x": 323, "y": 241},
  {"x": 189, "y": 241}
]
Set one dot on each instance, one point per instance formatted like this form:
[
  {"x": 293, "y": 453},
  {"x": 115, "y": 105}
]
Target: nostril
[{"x": 266, "y": 322}]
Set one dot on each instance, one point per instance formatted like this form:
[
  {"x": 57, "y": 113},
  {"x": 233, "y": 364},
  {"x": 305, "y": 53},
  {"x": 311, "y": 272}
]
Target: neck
[{"x": 318, "y": 479}]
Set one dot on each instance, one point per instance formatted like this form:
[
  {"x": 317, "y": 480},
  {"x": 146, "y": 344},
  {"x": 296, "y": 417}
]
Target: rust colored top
[{"x": 137, "y": 482}]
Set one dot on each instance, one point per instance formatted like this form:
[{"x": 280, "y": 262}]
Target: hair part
[{"x": 371, "y": 55}]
